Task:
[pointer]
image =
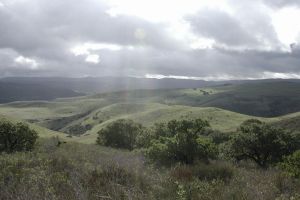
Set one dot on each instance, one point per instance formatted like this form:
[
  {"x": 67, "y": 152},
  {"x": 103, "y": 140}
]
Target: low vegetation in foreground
[{"x": 180, "y": 159}]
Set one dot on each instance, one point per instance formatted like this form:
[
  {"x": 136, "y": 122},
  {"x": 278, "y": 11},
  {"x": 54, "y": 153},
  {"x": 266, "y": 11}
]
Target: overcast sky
[{"x": 199, "y": 39}]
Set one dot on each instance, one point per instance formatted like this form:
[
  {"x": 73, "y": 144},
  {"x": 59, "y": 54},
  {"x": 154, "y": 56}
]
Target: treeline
[{"x": 192, "y": 140}]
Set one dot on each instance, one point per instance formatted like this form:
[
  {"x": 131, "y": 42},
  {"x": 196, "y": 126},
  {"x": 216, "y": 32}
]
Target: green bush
[
  {"x": 182, "y": 142},
  {"x": 120, "y": 134},
  {"x": 262, "y": 143},
  {"x": 291, "y": 164},
  {"x": 219, "y": 137},
  {"x": 143, "y": 139},
  {"x": 16, "y": 137}
]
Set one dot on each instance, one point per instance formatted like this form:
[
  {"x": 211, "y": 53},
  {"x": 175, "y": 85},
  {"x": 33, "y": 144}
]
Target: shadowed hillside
[{"x": 27, "y": 92}]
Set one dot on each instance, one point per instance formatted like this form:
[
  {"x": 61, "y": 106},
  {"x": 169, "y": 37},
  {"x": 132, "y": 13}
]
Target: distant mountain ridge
[
  {"x": 89, "y": 85},
  {"x": 49, "y": 88},
  {"x": 14, "y": 91},
  {"x": 109, "y": 84}
]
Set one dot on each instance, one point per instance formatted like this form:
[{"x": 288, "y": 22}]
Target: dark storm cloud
[
  {"x": 243, "y": 29},
  {"x": 44, "y": 31},
  {"x": 222, "y": 27},
  {"x": 30, "y": 25}
]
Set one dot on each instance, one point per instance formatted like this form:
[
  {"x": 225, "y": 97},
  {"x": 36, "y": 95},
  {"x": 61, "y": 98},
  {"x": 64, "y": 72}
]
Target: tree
[
  {"x": 120, "y": 134},
  {"x": 183, "y": 142},
  {"x": 262, "y": 143},
  {"x": 16, "y": 137}
]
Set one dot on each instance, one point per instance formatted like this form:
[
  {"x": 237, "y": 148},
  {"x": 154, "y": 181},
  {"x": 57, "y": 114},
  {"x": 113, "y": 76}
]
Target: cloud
[
  {"x": 81, "y": 38},
  {"x": 27, "y": 62},
  {"x": 282, "y": 3},
  {"x": 240, "y": 29},
  {"x": 220, "y": 26}
]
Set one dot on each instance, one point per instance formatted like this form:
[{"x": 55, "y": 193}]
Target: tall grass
[{"x": 77, "y": 171}]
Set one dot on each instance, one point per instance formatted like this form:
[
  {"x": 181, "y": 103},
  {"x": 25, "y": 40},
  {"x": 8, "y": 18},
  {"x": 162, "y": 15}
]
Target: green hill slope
[
  {"x": 225, "y": 107},
  {"x": 43, "y": 132},
  {"x": 290, "y": 122}
]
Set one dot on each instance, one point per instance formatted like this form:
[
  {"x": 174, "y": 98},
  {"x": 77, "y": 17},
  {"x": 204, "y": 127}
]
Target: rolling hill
[{"x": 225, "y": 107}]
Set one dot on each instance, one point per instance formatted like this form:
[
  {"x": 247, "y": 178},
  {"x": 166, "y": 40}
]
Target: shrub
[
  {"x": 262, "y": 143},
  {"x": 182, "y": 142},
  {"x": 291, "y": 164},
  {"x": 120, "y": 134},
  {"x": 143, "y": 139},
  {"x": 16, "y": 137},
  {"x": 219, "y": 137},
  {"x": 202, "y": 171},
  {"x": 220, "y": 171}
]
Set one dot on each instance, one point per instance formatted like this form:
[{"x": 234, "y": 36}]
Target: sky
[{"x": 186, "y": 39}]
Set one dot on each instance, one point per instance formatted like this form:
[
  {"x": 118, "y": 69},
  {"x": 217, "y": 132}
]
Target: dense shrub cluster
[
  {"x": 120, "y": 134},
  {"x": 16, "y": 137},
  {"x": 186, "y": 141},
  {"x": 262, "y": 143},
  {"x": 291, "y": 164},
  {"x": 182, "y": 141}
]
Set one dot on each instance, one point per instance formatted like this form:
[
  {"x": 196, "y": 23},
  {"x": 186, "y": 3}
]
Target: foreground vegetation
[
  {"x": 78, "y": 171},
  {"x": 154, "y": 145},
  {"x": 180, "y": 159}
]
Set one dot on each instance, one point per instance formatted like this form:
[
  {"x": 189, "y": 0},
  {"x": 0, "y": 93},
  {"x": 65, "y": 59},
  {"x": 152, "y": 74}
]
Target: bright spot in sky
[
  {"x": 287, "y": 26},
  {"x": 140, "y": 34},
  {"x": 27, "y": 62},
  {"x": 206, "y": 78},
  {"x": 267, "y": 75},
  {"x": 84, "y": 49},
  {"x": 87, "y": 48},
  {"x": 93, "y": 58}
]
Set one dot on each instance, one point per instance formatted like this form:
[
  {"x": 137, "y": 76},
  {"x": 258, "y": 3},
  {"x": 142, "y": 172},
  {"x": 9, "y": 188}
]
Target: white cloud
[
  {"x": 31, "y": 63},
  {"x": 206, "y": 78},
  {"x": 224, "y": 77},
  {"x": 286, "y": 24},
  {"x": 93, "y": 58},
  {"x": 270, "y": 75},
  {"x": 86, "y": 49}
]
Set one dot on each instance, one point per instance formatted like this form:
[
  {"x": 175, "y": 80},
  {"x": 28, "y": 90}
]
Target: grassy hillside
[
  {"x": 268, "y": 99},
  {"x": 290, "y": 122},
  {"x": 225, "y": 107},
  {"x": 83, "y": 119},
  {"x": 42, "y": 131}
]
